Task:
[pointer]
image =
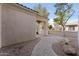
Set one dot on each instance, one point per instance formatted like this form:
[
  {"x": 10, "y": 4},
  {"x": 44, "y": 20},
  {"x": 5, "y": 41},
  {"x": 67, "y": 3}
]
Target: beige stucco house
[
  {"x": 69, "y": 26},
  {"x": 72, "y": 26},
  {"x": 19, "y": 23}
]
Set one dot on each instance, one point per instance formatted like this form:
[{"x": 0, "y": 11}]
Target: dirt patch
[{"x": 21, "y": 49}]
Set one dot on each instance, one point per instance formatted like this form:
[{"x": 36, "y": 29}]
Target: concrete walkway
[{"x": 44, "y": 47}]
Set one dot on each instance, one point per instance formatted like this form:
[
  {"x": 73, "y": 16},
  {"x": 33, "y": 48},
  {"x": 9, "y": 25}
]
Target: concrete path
[{"x": 44, "y": 47}]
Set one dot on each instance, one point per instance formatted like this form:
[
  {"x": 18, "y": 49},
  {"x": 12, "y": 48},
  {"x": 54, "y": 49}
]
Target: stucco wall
[
  {"x": 42, "y": 28},
  {"x": 0, "y": 25},
  {"x": 67, "y": 28},
  {"x": 17, "y": 25},
  {"x": 76, "y": 28}
]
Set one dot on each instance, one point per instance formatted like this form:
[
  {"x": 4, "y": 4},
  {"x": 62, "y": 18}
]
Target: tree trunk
[
  {"x": 63, "y": 31},
  {"x": 64, "y": 35}
]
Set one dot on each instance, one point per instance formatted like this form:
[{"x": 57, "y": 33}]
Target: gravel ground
[
  {"x": 21, "y": 49},
  {"x": 25, "y": 48},
  {"x": 58, "y": 47}
]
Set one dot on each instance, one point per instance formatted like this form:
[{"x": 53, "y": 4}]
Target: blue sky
[{"x": 51, "y": 9}]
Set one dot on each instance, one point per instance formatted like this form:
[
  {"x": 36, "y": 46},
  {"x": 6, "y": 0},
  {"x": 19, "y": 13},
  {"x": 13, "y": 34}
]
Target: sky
[{"x": 51, "y": 9}]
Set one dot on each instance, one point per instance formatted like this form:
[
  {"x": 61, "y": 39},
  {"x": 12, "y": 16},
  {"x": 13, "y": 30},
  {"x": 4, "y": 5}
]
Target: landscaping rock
[{"x": 69, "y": 50}]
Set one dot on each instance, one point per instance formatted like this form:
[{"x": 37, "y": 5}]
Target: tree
[
  {"x": 50, "y": 27},
  {"x": 63, "y": 12},
  {"x": 42, "y": 10}
]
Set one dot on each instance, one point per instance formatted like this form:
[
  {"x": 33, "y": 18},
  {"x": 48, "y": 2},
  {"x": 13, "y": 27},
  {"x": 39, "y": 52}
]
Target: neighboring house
[
  {"x": 71, "y": 27},
  {"x": 19, "y": 23}
]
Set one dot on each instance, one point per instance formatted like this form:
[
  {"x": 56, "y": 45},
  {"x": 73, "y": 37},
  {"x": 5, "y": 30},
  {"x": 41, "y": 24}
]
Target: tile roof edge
[{"x": 31, "y": 10}]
